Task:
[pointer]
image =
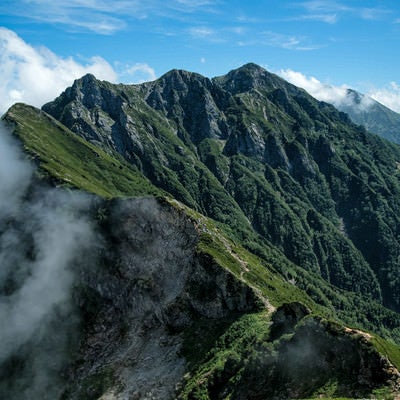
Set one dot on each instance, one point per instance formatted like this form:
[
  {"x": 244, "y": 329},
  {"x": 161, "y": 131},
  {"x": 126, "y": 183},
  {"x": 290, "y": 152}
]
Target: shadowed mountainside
[
  {"x": 248, "y": 148},
  {"x": 275, "y": 225}
]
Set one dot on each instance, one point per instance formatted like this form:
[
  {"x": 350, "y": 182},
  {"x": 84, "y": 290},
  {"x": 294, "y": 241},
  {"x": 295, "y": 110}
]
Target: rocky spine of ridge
[
  {"x": 185, "y": 132},
  {"x": 167, "y": 303}
]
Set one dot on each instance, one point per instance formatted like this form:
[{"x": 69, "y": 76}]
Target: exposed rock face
[
  {"x": 250, "y": 147},
  {"x": 151, "y": 287},
  {"x": 288, "y": 177},
  {"x": 193, "y": 102},
  {"x": 318, "y": 353},
  {"x": 286, "y": 318}
]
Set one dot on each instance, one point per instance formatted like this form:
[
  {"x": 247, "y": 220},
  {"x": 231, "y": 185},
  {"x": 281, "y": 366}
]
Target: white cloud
[
  {"x": 327, "y": 18},
  {"x": 331, "y": 94},
  {"x": 339, "y": 96},
  {"x": 138, "y": 73},
  {"x": 388, "y": 96},
  {"x": 37, "y": 75},
  {"x": 289, "y": 42}
]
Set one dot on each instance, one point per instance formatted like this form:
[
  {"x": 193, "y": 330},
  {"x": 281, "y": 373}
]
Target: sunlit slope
[
  {"x": 263, "y": 157},
  {"x": 285, "y": 219},
  {"x": 234, "y": 351},
  {"x": 70, "y": 160}
]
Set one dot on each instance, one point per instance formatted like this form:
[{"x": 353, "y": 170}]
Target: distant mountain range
[
  {"x": 247, "y": 240},
  {"x": 374, "y": 116}
]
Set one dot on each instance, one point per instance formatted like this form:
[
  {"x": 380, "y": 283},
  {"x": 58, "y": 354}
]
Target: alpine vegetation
[
  {"x": 43, "y": 232},
  {"x": 241, "y": 241}
]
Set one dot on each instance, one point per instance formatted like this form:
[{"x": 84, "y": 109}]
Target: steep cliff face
[
  {"x": 193, "y": 102},
  {"x": 162, "y": 304},
  {"x": 150, "y": 285},
  {"x": 250, "y": 147}
]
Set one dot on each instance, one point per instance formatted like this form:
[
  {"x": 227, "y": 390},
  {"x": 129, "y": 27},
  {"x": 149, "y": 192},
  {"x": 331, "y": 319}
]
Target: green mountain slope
[
  {"x": 350, "y": 308},
  {"x": 68, "y": 159},
  {"x": 248, "y": 146},
  {"x": 298, "y": 238}
]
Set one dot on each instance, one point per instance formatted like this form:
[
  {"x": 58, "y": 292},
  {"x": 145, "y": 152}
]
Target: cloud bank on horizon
[
  {"x": 37, "y": 75},
  {"x": 389, "y": 96}
]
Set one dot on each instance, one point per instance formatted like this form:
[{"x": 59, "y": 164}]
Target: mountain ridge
[
  {"x": 266, "y": 124},
  {"x": 298, "y": 239},
  {"x": 371, "y": 114}
]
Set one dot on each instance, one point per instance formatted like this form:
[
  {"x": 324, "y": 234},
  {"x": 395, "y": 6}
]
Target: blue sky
[{"x": 45, "y": 44}]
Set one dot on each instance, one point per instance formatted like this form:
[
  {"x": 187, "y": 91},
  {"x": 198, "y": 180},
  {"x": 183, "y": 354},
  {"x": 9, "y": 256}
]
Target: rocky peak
[
  {"x": 180, "y": 77},
  {"x": 86, "y": 80},
  {"x": 248, "y": 77},
  {"x": 192, "y": 101},
  {"x": 85, "y": 90}
]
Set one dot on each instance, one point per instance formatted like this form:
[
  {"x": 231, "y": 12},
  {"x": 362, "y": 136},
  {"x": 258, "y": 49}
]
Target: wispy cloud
[
  {"x": 97, "y": 16},
  {"x": 284, "y": 41},
  {"x": 374, "y": 14},
  {"x": 100, "y": 16},
  {"x": 249, "y": 19},
  {"x": 201, "y": 32},
  {"x": 139, "y": 73},
  {"x": 208, "y": 34},
  {"x": 323, "y": 6},
  {"x": 191, "y": 5},
  {"x": 44, "y": 235},
  {"x": 327, "y": 18},
  {"x": 329, "y": 11}
]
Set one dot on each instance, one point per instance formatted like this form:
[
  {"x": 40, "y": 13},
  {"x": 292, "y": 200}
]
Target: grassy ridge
[
  {"x": 73, "y": 161},
  {"x": 232, "y": 345}
]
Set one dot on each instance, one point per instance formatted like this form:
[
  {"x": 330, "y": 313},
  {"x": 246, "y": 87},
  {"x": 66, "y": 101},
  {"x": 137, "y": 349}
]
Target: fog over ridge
[{"x": 44, "y": 232}]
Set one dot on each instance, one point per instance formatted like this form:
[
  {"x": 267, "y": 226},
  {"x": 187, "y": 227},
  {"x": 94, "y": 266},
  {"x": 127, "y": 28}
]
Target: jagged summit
[
  {"x": 86, "y": 81},
  {"x": 180, "y": 74},
  {"x": 266, "y": 197},
  {"x": 88, "y": 78},
  {"x": 248, "y": 77}
]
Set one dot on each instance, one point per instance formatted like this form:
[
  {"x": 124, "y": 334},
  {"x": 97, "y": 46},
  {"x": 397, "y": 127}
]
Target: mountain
[
  {"x": 374, "y": 116},
  {"x": 246, "y": 241},
  {"x": 254, "y": 152}
]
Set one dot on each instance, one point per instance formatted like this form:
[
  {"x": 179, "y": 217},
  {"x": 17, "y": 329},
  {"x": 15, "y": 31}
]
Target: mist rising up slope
[
  {"x": 250, "y": 146},
  {"x": 304, "y": 207}
]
